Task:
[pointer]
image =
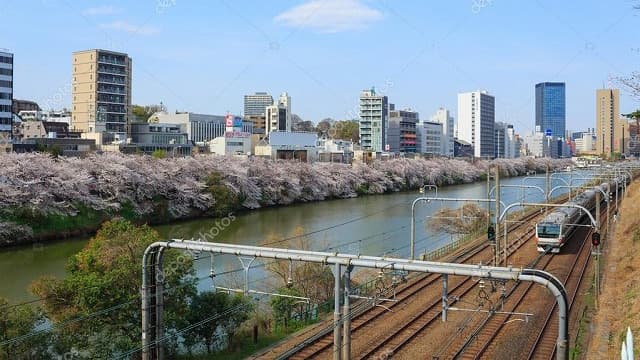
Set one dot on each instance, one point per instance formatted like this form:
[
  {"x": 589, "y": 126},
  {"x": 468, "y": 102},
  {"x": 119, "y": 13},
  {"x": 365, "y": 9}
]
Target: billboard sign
[
  {"x": 237, "y": 134},
  {"x": 237, "y": 123}
]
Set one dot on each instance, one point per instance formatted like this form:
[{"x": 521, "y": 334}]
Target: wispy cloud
[
  {"x": 330, "y": 16},
  {"x": 100, "y": 10},
  {"x": 130, "y": 28}
]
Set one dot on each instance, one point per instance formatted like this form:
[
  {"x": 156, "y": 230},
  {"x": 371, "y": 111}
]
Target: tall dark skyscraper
[{"x": 550, "y": 108}]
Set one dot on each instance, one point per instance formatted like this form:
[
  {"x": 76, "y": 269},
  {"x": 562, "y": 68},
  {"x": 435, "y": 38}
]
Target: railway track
[
  {"x": 474, "y": 345},
  {"x": 544, "y": 347},
  {"x": 363, "y": 315},
  {"x": 480, "y": 341},
  {"x": 399, "y": 338},
  {"x": 360, "y": 320}
]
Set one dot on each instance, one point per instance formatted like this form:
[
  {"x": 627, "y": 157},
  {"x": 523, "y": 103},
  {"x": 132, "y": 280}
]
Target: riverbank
[
  {"x": 619, "y": 302},
  {"x": 42, "y": 198}
]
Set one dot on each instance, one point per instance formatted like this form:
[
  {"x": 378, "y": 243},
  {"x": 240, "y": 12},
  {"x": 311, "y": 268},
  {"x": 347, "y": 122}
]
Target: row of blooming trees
[{"x": 37, "y": 185}]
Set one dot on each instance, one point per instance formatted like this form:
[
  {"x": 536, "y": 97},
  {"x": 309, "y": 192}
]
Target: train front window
[{"x": 548, "y": 231}]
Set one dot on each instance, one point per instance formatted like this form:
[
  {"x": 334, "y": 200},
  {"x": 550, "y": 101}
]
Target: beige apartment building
[
  {"x": 101, "y": 95},
  {"x": 612, "y": 132}
]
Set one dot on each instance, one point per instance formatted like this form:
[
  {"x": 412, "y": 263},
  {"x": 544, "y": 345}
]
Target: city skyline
[{"x": 171, "y": 65}]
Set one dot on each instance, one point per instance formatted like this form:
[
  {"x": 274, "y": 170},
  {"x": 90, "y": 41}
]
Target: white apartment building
[
  {"x": 443, "y": 117},
  {"x": 476, "y": 119},
  {"x": 255, "y": 104},
  {"x": 504, "y": 141},
  {"x": 374, "y": 113},
  {"x": 429, "y": 137},
  {"x": 511, "y": 146},
  {"x": 586, "y": 143},
  {"x": 278, "y": 115}
]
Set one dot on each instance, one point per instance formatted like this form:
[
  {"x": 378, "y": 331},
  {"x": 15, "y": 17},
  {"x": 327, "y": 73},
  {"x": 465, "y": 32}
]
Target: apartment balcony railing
[
  {"x": 111, "y": 90},
  {"x": 111, "y": 70},
  {"x": 112, "y": 61}
]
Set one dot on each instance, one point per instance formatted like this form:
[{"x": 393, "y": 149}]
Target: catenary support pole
[
  {"x": 548, "y": 186},
  {"x": 497, "y": 195},
  {"x": 346, "y": 311},
  {"x": 445, "y": 296},
  {"x": 337, "y": 316},
  {"x": 597, "y": 267}
]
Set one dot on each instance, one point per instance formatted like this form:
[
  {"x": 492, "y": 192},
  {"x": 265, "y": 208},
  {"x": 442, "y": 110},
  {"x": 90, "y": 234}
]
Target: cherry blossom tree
[{"x": 108, "y": 183}]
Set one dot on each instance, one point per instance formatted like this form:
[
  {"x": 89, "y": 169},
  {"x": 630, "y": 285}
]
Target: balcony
[
  {"x": 113, "y": 99},
  {"x": 111, "y": 90},
  {"x": 112, "y": 70},
  {"x": 111, "y": 60}
]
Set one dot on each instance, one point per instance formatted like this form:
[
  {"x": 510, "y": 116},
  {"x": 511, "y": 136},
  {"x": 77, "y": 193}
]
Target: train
[{"x": 559, "y": 225}]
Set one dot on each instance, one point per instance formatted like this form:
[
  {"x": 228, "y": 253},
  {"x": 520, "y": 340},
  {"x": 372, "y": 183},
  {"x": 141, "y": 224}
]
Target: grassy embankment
[{"x": 619, "y": 301}]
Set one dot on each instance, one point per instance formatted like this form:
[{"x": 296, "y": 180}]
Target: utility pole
[
  {"x": 346, "y": 350},
  {"x": 548, "y": 186},
  {"x": 488, "y": 197},
  {"x": 597, "y": 265},
  {"x": 570, "y": 183},
  {"x": 497, "y": 177}
]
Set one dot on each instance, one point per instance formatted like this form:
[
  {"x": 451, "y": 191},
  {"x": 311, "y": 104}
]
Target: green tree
[
  {"x": 324, "y": 125},
  {"x": 159, "y": 154},
  {"x": 17, "y": 321},
  {"x": 283, "y": 307},
  {"x": 105, "y": 276},
  {"x": 305, "y": 125},
  {"x": 142, "y": 113},
  {"x": 231, "y": 311},
  {"x": 634, "y": 115},
  {"x": 226, "y": 200},
  {"x": 348, "y": 130},
  {"x": 312, "y": 280}
]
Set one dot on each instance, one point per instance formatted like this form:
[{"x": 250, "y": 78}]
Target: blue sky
[{"x": 203, "y": 56}]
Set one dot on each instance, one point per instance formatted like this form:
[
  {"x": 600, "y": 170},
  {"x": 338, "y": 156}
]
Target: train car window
[{"x": 548, "y": 231}]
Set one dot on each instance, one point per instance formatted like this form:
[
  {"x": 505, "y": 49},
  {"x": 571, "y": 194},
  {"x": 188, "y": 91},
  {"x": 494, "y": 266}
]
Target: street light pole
[{"x": 423, "y": 190}]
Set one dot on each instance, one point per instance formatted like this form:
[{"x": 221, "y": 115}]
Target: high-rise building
[
  {"x": 443, "y": 117},
  {"x": 550, "y": 108},
  {"x": 285, "y": 102},
  {"x": 101, "y": 94},
  {"x": 511, "y": 147},
  {"x": 257, "y": 103},
  {"x": 430, "y": 135},
  {"x": 585, "y": 142},
  {"x": 476, "y": 120},
  {"x": 6, "y": 97},
  {"x": 401, "y": 132},
  {"x": 504, "y": 141},
  {"x": 278, "y": 115},
  {"x": 609, "y": 129},
  {"x": 374, "y": 112},
  {"x": 500, "y": 131},
  {"x": 255, "y": 110}
]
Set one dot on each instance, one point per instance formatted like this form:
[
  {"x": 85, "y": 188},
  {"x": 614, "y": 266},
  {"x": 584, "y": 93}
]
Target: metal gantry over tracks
[{"x": 152, "y": 301}]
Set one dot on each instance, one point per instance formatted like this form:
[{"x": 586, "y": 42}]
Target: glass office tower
[{"x": 550, "y": 108}]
